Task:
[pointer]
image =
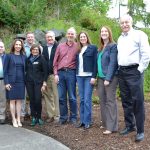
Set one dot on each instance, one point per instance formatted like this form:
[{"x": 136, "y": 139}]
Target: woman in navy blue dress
[{"x": 14, "y": 78}]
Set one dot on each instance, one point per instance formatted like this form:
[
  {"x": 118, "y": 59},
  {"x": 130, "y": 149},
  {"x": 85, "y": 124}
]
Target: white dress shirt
[
  {"x": 133, "y": 48},
  {"x": 49, "y": 50}
]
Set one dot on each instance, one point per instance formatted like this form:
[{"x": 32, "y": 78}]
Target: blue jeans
[
  {"x": 85, "y": 89},
  {"x": 67, "y": 85}
]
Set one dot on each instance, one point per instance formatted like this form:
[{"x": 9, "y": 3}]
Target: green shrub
[{"x": 18, "y": 14}]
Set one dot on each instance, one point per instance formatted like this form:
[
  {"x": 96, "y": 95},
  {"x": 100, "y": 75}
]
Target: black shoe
[
  {"x": 79, "y": 125},
  {"x": 127, "y": 130},
  {"x": 86, "y": 126},
  {"x": 62, "y": 122},
  {"x": 139, "y": 137},
  {"x": 73, "y": 122},
  {"x": 2, "y": 121}
]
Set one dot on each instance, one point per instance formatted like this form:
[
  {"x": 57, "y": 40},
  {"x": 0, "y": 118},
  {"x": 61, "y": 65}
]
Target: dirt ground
[{"x": 93, "y": 139}]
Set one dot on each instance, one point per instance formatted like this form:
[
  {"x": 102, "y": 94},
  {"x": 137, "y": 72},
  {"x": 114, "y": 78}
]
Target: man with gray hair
[
  {"x": 2, "y": 86},
  {"x": 133, "y": 59},
  {"x": 51, "y": 93},
  {"x": 65, "y": 76}
]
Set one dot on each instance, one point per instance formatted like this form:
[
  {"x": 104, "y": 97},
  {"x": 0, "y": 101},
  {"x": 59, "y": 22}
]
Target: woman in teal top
[{"x": 107, "y": 81}]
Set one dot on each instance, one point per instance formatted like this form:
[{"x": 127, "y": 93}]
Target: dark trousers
[
  {"x": 131, "y": 90},
  {"x": 35, "y": 96}
]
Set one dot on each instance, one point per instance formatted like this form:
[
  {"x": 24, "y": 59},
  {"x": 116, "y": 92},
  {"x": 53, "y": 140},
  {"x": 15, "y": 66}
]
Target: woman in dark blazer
[
  {"x": 107, "y": 81},
  {"x": 86, "y": 74},
  {"x": 14, "y": 79},
  {"x": 36, "y": 76}
]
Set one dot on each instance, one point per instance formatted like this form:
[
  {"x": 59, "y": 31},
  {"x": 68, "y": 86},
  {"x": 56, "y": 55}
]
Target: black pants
[
  {"x": 35, "y": 96},
  {"x": 131, "y": 89}
]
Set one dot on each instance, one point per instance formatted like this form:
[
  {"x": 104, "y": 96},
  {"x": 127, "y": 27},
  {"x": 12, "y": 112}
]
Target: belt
[
  {"x": 65, "y": 69},
  {"x": 129, "y": 67},
  {"x": 1, "y": 78}
]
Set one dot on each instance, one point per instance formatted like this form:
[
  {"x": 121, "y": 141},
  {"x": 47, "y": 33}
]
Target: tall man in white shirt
[
  {"x": 133, "y": 59},
  {"x": 2, "y": 86}
]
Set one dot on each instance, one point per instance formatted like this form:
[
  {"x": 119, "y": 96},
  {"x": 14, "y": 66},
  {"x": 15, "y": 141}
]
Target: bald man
[
  {"x": 133, "y": 59},
  {"x": 2, "y": 86},
  {"x": 65, "y": 77}
]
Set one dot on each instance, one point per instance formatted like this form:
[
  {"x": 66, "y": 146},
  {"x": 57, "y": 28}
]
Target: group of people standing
[{"x": 54, "y": 70}]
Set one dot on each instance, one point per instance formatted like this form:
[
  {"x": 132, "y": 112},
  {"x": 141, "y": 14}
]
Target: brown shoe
[{"x": 49, "y": 120}]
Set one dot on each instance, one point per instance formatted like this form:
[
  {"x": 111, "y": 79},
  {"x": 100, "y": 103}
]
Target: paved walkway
[{"x": 22, "y": 139}]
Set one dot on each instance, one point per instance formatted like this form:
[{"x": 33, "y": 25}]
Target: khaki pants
[
  {"x": 2, "y": 100},
  {"x": 51, "y": 98}
]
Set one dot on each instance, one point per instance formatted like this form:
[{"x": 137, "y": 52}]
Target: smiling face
[
  {"x": 104, "y": 34},
  {"x": 18, "y": 46},
  {"x": 83, "y": 39},
  {"x": 30, "y": 38},
  {"x": 50, "y": 38},
  {"x": 2, "y": 48},
  {"x": 126, "y": 23},
  {"x": 35, "y": 51},
  {"x": 71, "y": 35}
]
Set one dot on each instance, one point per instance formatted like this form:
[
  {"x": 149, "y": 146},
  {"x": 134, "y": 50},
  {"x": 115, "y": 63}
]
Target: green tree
[
  {"x": 137, "y": 9},
  {"x": 18, "y": 14}
]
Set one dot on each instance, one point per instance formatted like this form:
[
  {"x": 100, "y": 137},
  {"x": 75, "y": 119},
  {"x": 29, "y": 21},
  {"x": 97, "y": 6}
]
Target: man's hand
[{"x": 56, "y": 79}]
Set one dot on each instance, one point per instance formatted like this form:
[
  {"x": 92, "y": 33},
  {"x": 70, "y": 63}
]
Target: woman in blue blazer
[
  {"x": 86, "y": 74},
  {"x": 107, "y": 80},
  {"x": 14, "y": 79}
]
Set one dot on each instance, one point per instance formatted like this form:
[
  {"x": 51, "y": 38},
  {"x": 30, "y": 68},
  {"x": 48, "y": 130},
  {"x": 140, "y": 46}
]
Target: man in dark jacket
[{"x": 51, "y": 94}]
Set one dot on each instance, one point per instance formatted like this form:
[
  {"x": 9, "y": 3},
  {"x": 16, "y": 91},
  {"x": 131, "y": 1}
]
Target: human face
[
  {"x": 104, "y": 34},
  {"x": 2, "y": 48},
  {"x": 18, "y": 46},
  {"x": 30, "y": 38},
  {"x": 83, "y": 39},
  {"x": 125, "y": 24},
  {"x": 71, "y": 35},
  {"x": 35, "y": 51},
  {"x": 50, "y": 38}
]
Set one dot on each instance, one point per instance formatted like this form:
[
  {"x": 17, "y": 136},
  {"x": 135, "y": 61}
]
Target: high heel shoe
[
  {"x": 19, "y": 124},
  {"x": 14, "y": 122}
]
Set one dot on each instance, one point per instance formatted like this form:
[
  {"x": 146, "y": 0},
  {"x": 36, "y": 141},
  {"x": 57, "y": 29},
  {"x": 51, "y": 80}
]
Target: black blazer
[
  {"x": 46, "y": 55},
  {"x": 36, "y": 71}
]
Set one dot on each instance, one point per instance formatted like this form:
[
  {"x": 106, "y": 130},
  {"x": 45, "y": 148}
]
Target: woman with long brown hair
[
  {"x": 14, "y": 79},
  {"x": 107, "y": 80},
  {"x": 86, "y": 74}
]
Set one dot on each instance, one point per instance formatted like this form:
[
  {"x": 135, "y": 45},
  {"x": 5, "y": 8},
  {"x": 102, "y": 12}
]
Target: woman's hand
[
  {"x": 92, "y": 81},
  {"x": 106, "y": 83},
  {"x": 8, "y": 87}
]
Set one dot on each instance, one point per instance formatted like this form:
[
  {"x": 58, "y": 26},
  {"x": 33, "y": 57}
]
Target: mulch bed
[{"x": 93, "y": 139}]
